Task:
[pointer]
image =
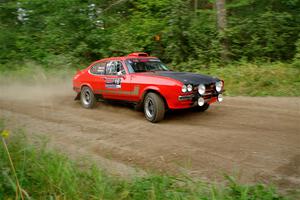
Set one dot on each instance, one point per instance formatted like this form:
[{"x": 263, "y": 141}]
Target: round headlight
[
  {"x": 219, "y": 86},
  {"x": 201, "y": 101},
  {"x": 201, "y": 89},
  {"x": 220, "y": 98},
  {"x": 184, "y": 88},
  {"x": 189, "y": 87}
]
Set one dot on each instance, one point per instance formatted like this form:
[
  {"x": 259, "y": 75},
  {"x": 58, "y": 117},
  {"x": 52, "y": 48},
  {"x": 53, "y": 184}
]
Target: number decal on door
[{"x": 113, "y": 83}]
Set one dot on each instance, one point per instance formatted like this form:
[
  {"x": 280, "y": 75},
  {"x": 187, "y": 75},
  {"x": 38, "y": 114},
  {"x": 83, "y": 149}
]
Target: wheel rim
[
  {"x": 149, "y": 107},
  {"x": 86, "y": 97}
]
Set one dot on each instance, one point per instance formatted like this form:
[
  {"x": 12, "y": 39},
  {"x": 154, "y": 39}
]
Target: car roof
[{"x": 139, "y": 55}]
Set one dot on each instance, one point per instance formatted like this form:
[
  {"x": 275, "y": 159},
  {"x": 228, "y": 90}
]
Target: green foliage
[
  {"x": 83, "y": 31},
  {"x": 296, "y": 61},
  {"x": 266, "y": 36},
  {"x": 46, "y": 174},
  {"x": 203, "y": 38},
  {"x": 241, "y": 78},
  {"x": 245, "y": 79}
]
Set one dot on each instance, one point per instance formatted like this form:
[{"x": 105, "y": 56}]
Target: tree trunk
[{"x": 222, "y": 24}]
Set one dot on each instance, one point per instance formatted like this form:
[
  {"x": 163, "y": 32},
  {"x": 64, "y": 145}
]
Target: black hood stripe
[{"x": 188, "y": 78}]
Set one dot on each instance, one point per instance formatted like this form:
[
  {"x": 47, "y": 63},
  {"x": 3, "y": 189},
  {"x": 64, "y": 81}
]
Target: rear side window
[{"x": 98, "y": 68}]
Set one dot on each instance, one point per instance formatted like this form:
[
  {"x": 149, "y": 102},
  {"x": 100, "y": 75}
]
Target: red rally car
[{"x": 147, "y": 83}]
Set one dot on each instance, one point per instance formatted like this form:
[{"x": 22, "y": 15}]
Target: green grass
[
  {"x": 47, "y": 174},
  {"x": 246, "y": 79},
  {"x": 241, "y": 79},
  {"x": 31, "y": 72}
]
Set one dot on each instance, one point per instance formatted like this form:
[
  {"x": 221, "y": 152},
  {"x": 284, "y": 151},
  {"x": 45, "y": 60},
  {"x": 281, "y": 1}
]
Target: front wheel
[
  {"x": 154, "y": 107},
  {"x": 87, "y": 97}
]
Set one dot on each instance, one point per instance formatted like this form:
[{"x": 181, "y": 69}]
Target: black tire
[
  {"x": 201, "y": 108},
  {"x": 154, "y": 107},
  {"x": 87, "y": 97}
]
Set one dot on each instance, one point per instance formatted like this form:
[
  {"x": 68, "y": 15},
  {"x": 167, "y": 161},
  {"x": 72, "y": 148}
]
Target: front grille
[
  {"x": 210, "y": 92},
  {"x": 210, "y": 88}
]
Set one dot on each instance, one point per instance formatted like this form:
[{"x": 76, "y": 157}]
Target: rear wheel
[
  {"x": 154, "y": 107},
  {"x": 201, "y": 108},
  {"x": 87, "y": 97}
]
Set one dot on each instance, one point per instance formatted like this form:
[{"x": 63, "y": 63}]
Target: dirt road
[{"x": 255, "y": 138}]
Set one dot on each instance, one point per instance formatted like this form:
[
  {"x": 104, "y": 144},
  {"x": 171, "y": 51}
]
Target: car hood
[{"x": 187, "y": 77}]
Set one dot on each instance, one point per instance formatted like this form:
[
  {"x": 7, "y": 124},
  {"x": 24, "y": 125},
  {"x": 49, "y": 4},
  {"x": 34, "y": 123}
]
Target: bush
[{"x": 296, "y": 61}]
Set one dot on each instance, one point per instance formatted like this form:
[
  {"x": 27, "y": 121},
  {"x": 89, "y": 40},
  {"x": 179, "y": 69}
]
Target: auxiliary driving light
[
  {"x": 220, "y": 98},
  {"x": 201, "y": 89},
  {"x": 201, "y": 101}
]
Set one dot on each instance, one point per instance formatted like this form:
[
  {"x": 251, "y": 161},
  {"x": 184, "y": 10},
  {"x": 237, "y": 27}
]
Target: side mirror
[{"x": 119, "y": 73}]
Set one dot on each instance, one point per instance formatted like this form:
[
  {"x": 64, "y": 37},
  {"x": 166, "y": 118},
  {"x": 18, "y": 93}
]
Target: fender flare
[
  {"x": 86, "y": 84},
  {"x": 152, "y": 89},
  {"x": 77, "y": 97}
]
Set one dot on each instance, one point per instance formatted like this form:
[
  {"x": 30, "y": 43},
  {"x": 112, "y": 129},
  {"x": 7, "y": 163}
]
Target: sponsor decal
[
  {"x": 134, "y": 92},
  {"x": 113, "y": 83}
]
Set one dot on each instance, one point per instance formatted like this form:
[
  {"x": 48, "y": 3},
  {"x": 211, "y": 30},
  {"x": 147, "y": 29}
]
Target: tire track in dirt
[{"x": 257, "y": 138}]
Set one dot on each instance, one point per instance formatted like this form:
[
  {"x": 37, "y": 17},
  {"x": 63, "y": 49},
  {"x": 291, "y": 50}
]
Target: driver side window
[{"x": 114, "y": 68}]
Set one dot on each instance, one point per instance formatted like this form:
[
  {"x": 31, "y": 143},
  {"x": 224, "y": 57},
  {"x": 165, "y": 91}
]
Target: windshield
[{"x": 145, "y": 65}]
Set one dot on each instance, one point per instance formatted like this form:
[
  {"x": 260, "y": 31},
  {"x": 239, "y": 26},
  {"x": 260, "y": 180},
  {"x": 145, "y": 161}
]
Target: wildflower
[{"x": 5, "y": 133}]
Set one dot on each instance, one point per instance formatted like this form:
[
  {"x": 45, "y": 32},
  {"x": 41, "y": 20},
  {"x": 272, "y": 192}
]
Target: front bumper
[
  {"x": 208, "y": 97},
  {"x": 186, "y": 97},
  {"x": 191, "y": 99}
]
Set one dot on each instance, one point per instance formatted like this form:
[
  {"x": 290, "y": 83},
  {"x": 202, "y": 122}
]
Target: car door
[
  {"x": 97, "y": 76},
  {"x": 117, "y": 81}
]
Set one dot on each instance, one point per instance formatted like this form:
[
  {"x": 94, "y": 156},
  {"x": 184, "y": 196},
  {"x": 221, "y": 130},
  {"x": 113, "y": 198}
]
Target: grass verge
[
  {"x": 46, "y": 174},
  {"x": 241, "y": 79},
  {"x": 246, "y": 79}
]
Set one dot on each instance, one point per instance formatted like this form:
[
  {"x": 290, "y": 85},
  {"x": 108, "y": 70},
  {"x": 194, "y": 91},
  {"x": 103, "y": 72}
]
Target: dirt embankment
[{"x": 254, "y": 138}]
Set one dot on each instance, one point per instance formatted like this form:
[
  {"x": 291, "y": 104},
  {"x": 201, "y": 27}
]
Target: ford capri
[{"x": 147, "y": 83}]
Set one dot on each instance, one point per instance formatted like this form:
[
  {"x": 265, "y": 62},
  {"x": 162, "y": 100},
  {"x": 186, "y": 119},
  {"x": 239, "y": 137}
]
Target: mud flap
[
  {"x": 77, "y": 97},
  {"x": 139, "y": 106}
]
